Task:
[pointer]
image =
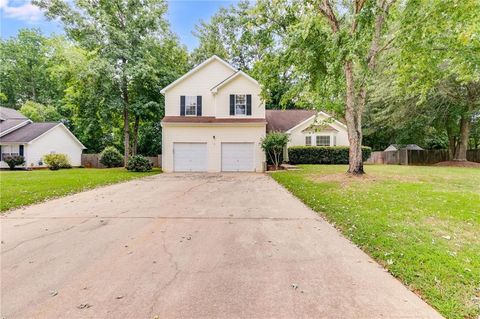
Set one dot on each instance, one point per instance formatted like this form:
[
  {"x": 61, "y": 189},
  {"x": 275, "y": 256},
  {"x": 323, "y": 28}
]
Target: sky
[{"x": 182, "y": 14}]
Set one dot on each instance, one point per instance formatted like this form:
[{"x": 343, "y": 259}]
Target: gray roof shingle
[
  {"x": 10, "y": 114},
  {"x": 8, "y": 124},
  {"x": 283, "y": 120},
  {"x": 27, "y": 133}
]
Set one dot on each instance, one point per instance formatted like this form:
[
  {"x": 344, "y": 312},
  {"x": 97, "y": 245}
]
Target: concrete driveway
[{"x": 179, "y": 246}]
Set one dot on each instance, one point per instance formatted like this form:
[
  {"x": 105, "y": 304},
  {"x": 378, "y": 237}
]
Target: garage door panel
[
  {"x": 238, "y": 157},
  {"x": 190, "y": 157}
]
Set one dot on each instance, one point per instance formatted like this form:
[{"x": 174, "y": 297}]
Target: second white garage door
[
  {"x": 238, "y": 157},
  {"x": 190, "y": 157}
]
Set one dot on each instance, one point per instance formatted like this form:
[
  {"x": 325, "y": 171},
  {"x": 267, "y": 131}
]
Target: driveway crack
[{"x": 168, "y": 283}]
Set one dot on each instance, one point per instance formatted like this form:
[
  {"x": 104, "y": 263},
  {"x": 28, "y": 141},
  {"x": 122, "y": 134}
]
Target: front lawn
[
  {"x": 421, "y": 223},
  {"x": 18, "y": 188}
]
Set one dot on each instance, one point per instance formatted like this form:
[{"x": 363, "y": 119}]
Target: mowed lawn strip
[
  {"x": 19, "y": 188},
  {"x": 421, "y": 223}
]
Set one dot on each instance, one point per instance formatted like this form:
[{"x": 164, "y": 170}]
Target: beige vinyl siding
[
  {"x": 198, "y": 83},
  {"x": 239, "y": 85}
]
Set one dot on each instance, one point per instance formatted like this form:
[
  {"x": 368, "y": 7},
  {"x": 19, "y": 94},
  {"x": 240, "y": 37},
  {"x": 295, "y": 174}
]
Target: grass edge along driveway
[
  {"x": 20, "y": 188},
  {"x": 420, "y": 223}
]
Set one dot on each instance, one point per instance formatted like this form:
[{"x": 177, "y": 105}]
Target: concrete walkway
[{"x": 190, "y": 246}]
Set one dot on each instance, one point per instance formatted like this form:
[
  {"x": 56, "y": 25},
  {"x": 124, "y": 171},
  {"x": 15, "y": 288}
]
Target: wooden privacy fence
[
  {"x": 93, "y": 161},
  {"x": 417, "y": 157}
]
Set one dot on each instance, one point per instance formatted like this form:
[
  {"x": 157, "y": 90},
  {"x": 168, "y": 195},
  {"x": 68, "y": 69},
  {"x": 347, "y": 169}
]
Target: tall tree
[
  {"x": 23, "y": 69},
  {"x": 333, "y": 48},
  {"x": 439, "y": 54},
  {"x": 120, "y": 31}
]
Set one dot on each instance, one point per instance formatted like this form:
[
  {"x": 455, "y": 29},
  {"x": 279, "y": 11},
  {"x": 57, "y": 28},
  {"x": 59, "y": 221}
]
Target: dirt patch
[
  {"x": 345, "y": 179},
  {"x": 458, "y": 164}
]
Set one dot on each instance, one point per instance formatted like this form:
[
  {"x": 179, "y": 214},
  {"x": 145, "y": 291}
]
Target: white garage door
[
  {"x": 190, "y": 157},
  {"x": 238, "y": 157}
]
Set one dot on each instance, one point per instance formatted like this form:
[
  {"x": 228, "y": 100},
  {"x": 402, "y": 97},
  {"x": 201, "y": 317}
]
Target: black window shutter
[
  {"x": 232, "y": 104},
  {"x": 182, "y": 105},
  {"x": 199, "y": 105},
  {"x": 20, "y": 150},
  {"x": 249, "y": 104}
]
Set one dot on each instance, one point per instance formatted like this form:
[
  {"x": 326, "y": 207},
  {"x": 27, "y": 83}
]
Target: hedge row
[{"x": 322, "y": 154}]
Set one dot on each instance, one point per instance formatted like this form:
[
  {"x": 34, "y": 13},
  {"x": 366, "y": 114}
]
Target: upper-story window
[
  {"x": 190, "y": 105},
  {"x": 240, "y": 104}
]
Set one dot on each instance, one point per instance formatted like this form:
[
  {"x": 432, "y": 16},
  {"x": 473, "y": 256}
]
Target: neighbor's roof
[
  {"x": 27, "y": 133},
  {"x": 283, "y": 120},
  {"x": 11, "y": 114},
  {"x": 9, "y": 124},
  {"x": 209, "y": 119}
]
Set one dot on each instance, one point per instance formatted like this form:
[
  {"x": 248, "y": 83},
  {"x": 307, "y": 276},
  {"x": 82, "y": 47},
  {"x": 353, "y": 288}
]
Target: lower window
[
  {"x": 323, "y": 140},
  {"x": 308, "y": 140}
]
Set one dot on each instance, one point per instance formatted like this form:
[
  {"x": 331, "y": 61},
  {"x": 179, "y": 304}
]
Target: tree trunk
[
  {"x": 126, "y": 115},
  {"x": 466, "y": 121},
  {"x": 135, "y": 134},
  {"x": 354, "y": 127},
  {"x": 461, "y": 151}
]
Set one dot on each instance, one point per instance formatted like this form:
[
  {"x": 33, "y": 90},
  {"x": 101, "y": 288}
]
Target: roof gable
[
  {"x": 231, "y": 78},
  {"x": 196, "y": 69}
]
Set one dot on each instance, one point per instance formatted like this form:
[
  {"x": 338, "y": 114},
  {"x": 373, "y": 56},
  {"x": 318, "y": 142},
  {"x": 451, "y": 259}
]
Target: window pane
[
  {"x": 240, "y": 99},
  {"x": 240, "y": 105},
  {"x": 190, "y": 105},
  {"x": 308, "y": 140},
  {"x": 323, "y": 140}
]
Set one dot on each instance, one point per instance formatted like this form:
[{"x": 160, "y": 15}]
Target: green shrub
[
  {"x": 56, "y": 161},
  {"x": 111, "y": 157},
  {"x": 139, "y": 163},
  {"x": 13, "y": 160},
  {"x": 273, "y": 144},
  {"x": 322, "y": 154}
]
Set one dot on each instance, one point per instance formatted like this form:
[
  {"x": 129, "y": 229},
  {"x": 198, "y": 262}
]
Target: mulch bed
[{"x": 458, "y": 164}]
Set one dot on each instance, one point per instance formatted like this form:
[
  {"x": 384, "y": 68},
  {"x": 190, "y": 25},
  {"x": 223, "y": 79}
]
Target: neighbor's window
[
  {"x": 240, "y": 104},
  {"x": 190, "y": 105},
  {"x": 323, "y": 140},
  {"x": 308, "y": 140}
]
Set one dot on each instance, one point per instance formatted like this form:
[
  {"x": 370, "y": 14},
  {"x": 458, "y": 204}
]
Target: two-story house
[{"x": 214, "y": 121}]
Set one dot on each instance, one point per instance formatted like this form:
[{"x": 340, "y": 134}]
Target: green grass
[
  {"x": 19, "y": 188},
  {"x": 421, "y": 223}
]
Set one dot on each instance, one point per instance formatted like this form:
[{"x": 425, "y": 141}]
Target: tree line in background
[{"x": 395, "y": 71}]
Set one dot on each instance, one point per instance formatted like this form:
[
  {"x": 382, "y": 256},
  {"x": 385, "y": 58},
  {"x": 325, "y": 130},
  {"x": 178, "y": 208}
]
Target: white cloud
[{"x": 24, "y": 10}]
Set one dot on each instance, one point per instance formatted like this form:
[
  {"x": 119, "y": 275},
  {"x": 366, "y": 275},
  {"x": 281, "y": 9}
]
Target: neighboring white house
[
  {"x": 307, "y": 128},
  {"x": 214, "y": 121},
  {"x": 20, "y": 136}
]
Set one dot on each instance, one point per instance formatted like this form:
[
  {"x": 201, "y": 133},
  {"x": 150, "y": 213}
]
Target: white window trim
[
  {"x": 186, "y": 106},
  {"x": 235, "y": 105}
]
